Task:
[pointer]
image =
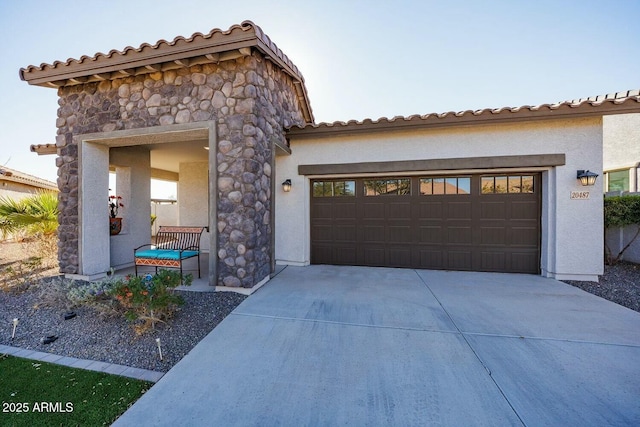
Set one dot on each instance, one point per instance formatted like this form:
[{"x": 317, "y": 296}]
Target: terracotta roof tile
[
  {"x": 180, "y": 44},
  {"x": 617, "y": 103},
  {"x": 218, "y": 45}
]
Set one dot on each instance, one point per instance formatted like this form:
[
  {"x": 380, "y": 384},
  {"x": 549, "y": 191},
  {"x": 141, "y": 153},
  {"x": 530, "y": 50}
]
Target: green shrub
[
  {"x": 620, "y": 212},
  {"x": 149, "y": 299}
]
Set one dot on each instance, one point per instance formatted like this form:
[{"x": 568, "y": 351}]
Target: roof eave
[
  {"x": 469, "y": 118},
  {"x": 44, "y": 149},
  {"x": 200, "y": 49}
]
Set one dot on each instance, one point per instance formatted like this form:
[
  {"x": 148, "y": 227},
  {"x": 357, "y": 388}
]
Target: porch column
[{"x": 93, "y": 228}]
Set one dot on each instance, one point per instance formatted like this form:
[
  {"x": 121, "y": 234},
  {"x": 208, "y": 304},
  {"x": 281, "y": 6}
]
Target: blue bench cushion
[{"x": 165, "y": 254}]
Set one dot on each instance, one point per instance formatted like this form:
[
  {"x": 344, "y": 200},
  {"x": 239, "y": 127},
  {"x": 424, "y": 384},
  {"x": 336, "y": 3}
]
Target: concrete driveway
[{"x": 328, "y": 345}]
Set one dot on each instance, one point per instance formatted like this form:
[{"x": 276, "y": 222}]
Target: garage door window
[
  {"x": 334, "y": 188},
  {"x": 445, "y": 185},
  {"x": 507, "y": 184},
  {"x": 387, "y": 187}
]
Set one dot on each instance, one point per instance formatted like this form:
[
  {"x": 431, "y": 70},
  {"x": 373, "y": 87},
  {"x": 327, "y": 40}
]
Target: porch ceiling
[{"x": 169, "y": 156}]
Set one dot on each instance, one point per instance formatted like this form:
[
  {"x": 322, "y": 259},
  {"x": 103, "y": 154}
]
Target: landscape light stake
[
  {"x": 159, "y": 348},
  {"x": 15, "y": 323}
]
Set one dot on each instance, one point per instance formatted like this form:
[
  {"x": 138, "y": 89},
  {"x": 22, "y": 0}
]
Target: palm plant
[{"x": 34, "y": 215}]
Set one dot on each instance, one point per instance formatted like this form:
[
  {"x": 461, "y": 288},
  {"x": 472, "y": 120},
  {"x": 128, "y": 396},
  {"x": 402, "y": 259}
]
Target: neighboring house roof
[
  {"x": 214, "y": 47},
  {"x": 7, "y": 174},
  {"x": 616, "y": 103}
]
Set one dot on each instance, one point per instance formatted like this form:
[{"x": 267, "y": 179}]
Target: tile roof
[
  {"x": 216, "y": 46},
  {"x": 8, "y": 174},
  {"x": 615, "y": 103}
]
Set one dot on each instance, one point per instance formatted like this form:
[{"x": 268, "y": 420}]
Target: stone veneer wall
[{"x": 252, "y": 101}]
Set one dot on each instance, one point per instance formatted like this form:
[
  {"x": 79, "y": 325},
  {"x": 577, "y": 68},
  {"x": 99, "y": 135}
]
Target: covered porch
[{"x": 136, "y": 156}]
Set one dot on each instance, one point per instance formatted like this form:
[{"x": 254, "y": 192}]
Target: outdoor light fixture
[
  {"x": 587, "y": 177},
  {"x": 286, "y": 185}
]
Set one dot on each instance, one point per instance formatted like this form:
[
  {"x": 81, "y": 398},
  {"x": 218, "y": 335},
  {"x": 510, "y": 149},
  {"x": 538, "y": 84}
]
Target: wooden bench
[{"x": 174, "y": 244}]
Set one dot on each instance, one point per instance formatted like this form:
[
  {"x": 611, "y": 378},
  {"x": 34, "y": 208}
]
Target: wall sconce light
[
  {"x": 587, "y": 177},
  {"x": 286, "y": 185}
]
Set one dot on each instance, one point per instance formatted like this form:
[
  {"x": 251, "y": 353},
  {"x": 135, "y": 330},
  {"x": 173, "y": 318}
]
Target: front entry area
[{"x": 480, "y": 222}]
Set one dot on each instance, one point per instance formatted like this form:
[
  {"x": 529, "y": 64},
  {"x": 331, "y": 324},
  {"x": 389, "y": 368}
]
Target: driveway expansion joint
[
  {"x": 526, "y": 337},
  {"x": 335, "y": 322},
  {"x": 473, "y": 350}
]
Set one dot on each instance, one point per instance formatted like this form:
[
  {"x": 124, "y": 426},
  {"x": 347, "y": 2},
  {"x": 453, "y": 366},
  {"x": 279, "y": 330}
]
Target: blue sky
[{"x": 360, "y": 59}]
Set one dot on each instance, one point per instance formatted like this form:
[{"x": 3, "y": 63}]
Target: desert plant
[
  {"x": 620, "y": 212},
  {"x": 18, "y": 276},
  {"x": 34, "y": 215},
  {"x": 149, "y": 299}
]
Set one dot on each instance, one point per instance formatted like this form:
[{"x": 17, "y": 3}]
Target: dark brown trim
[{"x": 494, "y": 162}]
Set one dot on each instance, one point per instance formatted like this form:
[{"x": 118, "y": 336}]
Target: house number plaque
[{"x": 579, "y": 195}]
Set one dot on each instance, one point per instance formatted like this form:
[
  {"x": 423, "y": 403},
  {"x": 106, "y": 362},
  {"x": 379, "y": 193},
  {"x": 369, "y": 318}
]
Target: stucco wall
[
  {"x": 193, "y": 196},
  {"x": 16, "y": 190},
  {"x": 166, "y": 214},
  {"x": 621, "y": 135},
  {"x": 133, "y": 181},
  {"x": 572, "y": 238}
]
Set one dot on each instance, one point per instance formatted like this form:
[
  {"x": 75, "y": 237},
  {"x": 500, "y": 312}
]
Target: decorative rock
[
  {"x": 235, "y": 196},
  {"x": 124, "y": 91},
  {"x": 225, "y": 183},
  {"x": 109, "y": 127},
  {"x": 154, "y": 100},
  {"x": 169, "y": 77},
  {"x": 225, "y": 146},
  {"x": 236, "y": 236},
  {"x": 219, "y": 100},
  {"x": 201, "y": 116},
  {"x": 166, "y": 120},
  {"x": 245, "y": 106},
  {"x": 248, "y": 130},
  {"x": 183, "y": 116},
  {"x": 241, "y": 249},
  {"x": 232, "y": 282},
  {"x": 205, "y": 92},
  {"x": 215, "y": 81},
  {"x": 227, "y": 88},
  {"x": 198, "y": 79},
  {"x": 250, "y": 91}
]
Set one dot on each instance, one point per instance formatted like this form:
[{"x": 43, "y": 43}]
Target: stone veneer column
[{"x": 252, "y": 102}]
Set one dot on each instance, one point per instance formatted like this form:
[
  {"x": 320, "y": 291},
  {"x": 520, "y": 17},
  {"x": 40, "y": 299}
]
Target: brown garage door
[{"x": 463, "y": 222}]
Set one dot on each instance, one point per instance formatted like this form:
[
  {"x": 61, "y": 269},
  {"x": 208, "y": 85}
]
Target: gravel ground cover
[
  {"x": 620, "y": 284},
  {"x": 111, "y": 339}
]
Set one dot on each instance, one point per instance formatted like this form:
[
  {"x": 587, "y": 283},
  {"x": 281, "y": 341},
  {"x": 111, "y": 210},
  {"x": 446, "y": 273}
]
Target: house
[
  {"x": 227, "y": 116},
  {"x": 621, "y": 160},
  {"x": 621, "y": 166},
  {"x": 18, "y": 185}
]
